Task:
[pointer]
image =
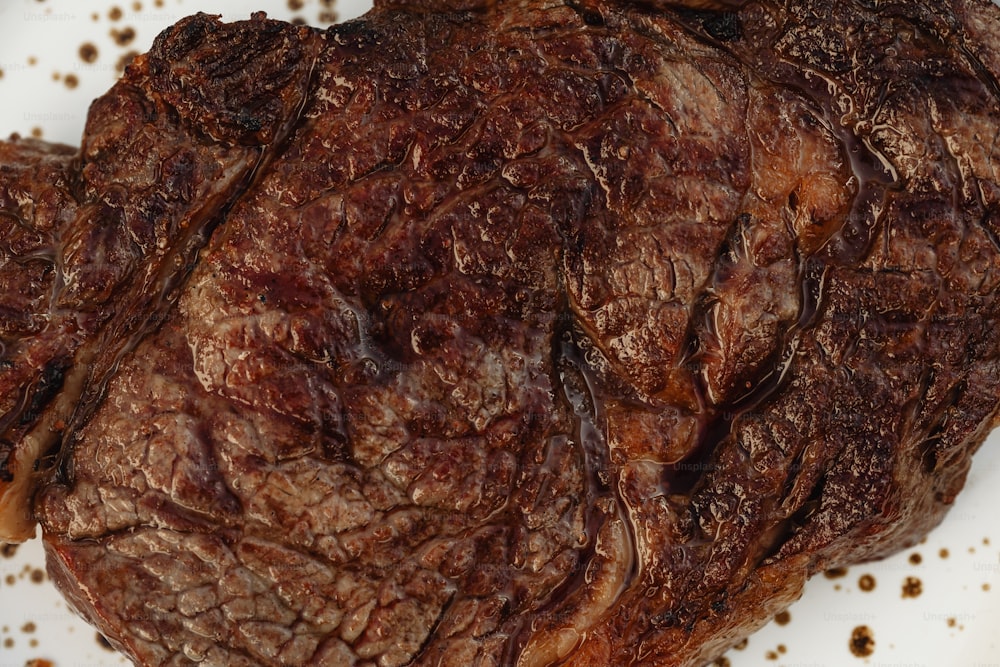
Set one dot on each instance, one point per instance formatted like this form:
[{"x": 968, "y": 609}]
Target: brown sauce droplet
[
  {"x": 866, "y": 583},
  {"x": 771, "y": 655},
  {"x": 32, "y": 61},
  {"x": 28, "y": 627},
  {"x": 88, "y": 52},
  {"x": 835, "y": 573},
  {"x": 38, "y": 662},
  {"x": 8, "y": 550},
  {"x": 912, "y": 587},
  {"x": 916, "y": 559},
  {"x": 71, "y": 81},
  {"x": 295, "y": 5},
  {"x": 158, "y": 3},
  {"x": 123, "y": 37},
  {"x": 1, "y": 73},
  {"x": 943, "y": 553},
  {"x": 36, "y": 132},
  {"x": 10, "y": 579},
  {"x": 37, "y": 575},
  {"x": 722, "y": 662},
  {"x": 741, "y": 645},
  {"x": 328, "y": 17},
  {"x": 137, "y": 6},
  {"x": 115, "y": 13},
  {"x": 986, "y": 587},
  {"x": 95, "y": 17},
  {"x": 782, "y": 618},
  {"x": 782, "y": 649},
  {"x": 862, "y": 641},
  {"x": 8, "y": 643},
  {"x": 952, "y": 622}
]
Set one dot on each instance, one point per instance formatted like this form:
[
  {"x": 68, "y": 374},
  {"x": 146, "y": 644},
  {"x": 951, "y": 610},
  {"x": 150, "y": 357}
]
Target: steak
[{"x": 481, "y": 333}]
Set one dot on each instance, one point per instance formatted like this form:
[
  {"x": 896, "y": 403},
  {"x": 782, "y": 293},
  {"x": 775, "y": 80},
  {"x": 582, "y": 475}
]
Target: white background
[{"x": 954, "y": 622}]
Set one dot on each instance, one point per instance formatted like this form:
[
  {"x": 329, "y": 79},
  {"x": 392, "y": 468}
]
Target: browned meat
[{"x": 489, "y": 334}]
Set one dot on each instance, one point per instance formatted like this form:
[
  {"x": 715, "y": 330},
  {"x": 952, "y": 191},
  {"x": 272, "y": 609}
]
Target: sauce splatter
[
  {"x": 123, "y": 37},
  {"x": 916, "y": 559},
  {"x": 782, "y": 618},
  {"x": 943, "y": 553},
  {"x": 912, "y": 587},
  {"x": 862, "y": 642},
  {"x": 866, "y": 583},
  {"x": 836, "y": 573},
  {"x": 115, "y": 13},
  {"x": 88, "y": 52},
  {"x": 71, "y": 81}
]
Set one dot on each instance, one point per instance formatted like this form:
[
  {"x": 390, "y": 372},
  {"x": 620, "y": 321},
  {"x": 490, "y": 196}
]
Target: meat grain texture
[{"x": 519, "y": 333}]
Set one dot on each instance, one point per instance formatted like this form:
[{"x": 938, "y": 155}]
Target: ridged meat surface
[{"x": 527, "y": 333}]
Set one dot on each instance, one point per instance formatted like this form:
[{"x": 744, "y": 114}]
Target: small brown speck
[
  {"x": 8, "y": 550},
  {"x": 771, "y": 655},
  {"x": 835, "y": 573},
  {"x": 943, "y": 553},
  {"x": 912, "y": 587},
  {"x": 95, "y": 17},
  {"x": 136, "y": 6},
  {"x": 37, "y": 575},
  {"x": 295, "y": 5},
  {"x": 862, "y": 642},
  {"x": 123, "y": 37},
  {"x": 8, "y": 642},
  {"x": 916, "y": 559},
  {"x": 10, "y": 579},
  {"x": 38, "y": 662},
  {"x": 115, "y": 13},
  {"x": 986, "y": 541},
  {"x": 782, "y": 649},
  {"x": 722, "y": 662},
  {"x": 71, "y": 81},
  {"x": 29, "y": 627},
  {"x": 866, "y": 583},
  {"x": 952, "y": 622},
  {"x": 972, "y": 550},
  {"x": 328, "y": 17},
  {"x": 33, "y": 643},
  {"x": 1, "y": 73},
  {"x": 158, "y": 3},
  {"x": 32, "y": 60},
  {"x": 741, "y": 645},
  {"x": 56, "y": 76},
  {"x": 88, "y": 52},
  {"x": 36, "y": 132},
  {"x": 298, "y": 20},
  {"x": 782, "y": 618},
  {"x": 986, "y": 587}
]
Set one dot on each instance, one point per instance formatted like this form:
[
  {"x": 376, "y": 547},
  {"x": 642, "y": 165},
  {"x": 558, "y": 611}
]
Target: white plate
[{"x": 952, "y": 623}]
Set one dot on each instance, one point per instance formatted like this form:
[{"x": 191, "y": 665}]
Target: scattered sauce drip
[
  {"x": 38, "y": 662},
  {"x": 137, "y": 6},
  {"x": 835, "y": 573},
  {"x": 782, "y": 618},
  {"x": 115, "y": 13},
  {"x": 8, "y": 550},
  {"x": 771, "y": 655},
  {"x": 123, "y": 37},
  {"x": 295, "y": 5},
  {"x": 36, "y": 132},
  {"x": 943, "y": 553},
  {"x": 866, "y": 583},
  {"x": 722, "y": 662},
  {"x": 88, "y": 52},
  {"x": 862, "y": 642},
  {"x": 742, "y": 645},
  {"x": 37, "y": 575},
  {"x": 1, "y": 73},
  {"x": 952, "y": 622},
  {"x": 986, "y": 587},
  {"x": 8, "y": 643},
  {"x": 28, "y": 627},
  {"x": 916, "y": 559},
  {"x": 912, "y": 587},
  {"x": 71, "y": 81},
  {"x": 32, "y": 61}
]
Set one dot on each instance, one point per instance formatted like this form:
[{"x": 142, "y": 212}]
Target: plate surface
[{"x": 57, "y": 55}]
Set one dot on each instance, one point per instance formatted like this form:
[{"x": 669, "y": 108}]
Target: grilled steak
[{"x": 474, "y": 333}]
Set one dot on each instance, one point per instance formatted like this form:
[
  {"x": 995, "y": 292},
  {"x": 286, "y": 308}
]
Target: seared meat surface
[{"x": 515, "y": 333}]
